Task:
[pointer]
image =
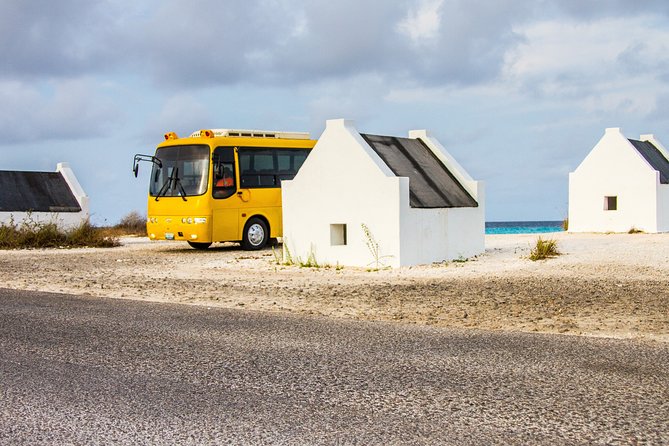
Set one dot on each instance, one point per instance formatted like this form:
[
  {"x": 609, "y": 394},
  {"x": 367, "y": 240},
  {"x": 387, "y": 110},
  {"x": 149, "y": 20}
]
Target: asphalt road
[{"x": 80, "y": 370}]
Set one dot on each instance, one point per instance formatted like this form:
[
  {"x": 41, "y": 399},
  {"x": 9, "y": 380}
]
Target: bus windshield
[{"x": 183, "y": 171}]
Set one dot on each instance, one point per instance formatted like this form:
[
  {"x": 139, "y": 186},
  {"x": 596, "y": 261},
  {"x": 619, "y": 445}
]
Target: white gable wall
[
  {"x": 342, "y": 182},
  {"x": 613, "y": 168}
]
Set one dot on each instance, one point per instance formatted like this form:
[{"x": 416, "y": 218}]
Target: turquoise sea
[{"x": 522, "y": 227}]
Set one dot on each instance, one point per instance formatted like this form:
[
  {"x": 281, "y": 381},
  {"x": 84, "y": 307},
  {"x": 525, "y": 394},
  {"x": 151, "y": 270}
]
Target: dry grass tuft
[
  {"x": 544, "y": 249},
  {"x": 31, "y": 234}
]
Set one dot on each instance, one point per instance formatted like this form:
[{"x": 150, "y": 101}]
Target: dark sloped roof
[
  {"x": 431, "y": 184},
  {"x": 36, "y": 192},
  {"x": 654, "y": 157}
]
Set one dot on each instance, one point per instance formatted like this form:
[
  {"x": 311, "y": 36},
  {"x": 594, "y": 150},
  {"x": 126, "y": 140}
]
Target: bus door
[
  {"x": 225, "y": 202},
  {"x": 259, "y": 190}
]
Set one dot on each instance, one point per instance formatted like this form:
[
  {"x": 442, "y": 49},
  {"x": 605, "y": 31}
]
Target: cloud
[
  {"x": 70, "y": 109},
  {"x": 423, "y": 23},
  {"x": 281, "y": 42},
  {"x": 182, "y": 114},
  {"x": 40, "y": 39},
  {"x": 597, "y": 9},
  {"x": 593, "y": 64},
  {"x": 207, "y": 43}
]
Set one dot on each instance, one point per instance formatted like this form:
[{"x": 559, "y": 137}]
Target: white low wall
[
  {"x": 436, "y": 235},
  {"x": 64, "y": 220}
]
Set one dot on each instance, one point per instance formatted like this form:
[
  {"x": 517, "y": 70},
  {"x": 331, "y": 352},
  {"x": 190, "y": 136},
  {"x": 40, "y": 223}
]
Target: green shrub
[
  {"x": 634, "y": 230},
  {"x": 544, "y": 249}
]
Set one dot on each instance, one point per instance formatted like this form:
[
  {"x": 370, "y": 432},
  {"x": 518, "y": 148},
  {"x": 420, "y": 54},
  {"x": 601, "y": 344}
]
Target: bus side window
[{"x": 224, "y": 172}]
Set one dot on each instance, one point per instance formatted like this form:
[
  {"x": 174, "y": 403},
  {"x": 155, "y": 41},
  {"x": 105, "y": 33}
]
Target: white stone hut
[
  {"x": 43, "y": 197},
  {"x": 375, "y": 201},
  {"x": 621, "y": 184}
]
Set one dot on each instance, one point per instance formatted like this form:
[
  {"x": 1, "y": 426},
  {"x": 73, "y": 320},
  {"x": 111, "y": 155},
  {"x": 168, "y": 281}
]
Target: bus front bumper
[{"x": 194, "y": 229}]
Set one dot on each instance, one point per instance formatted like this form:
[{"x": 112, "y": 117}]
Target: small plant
[
  {"x": 634, "y": 230},
  {"x": 283, "y": 257},
  {"x": 565, "y": 224},
  {"x": 278, "y": 257},
  {"x": 311, "y": 261},
  {"x": 544, "y": 249},
  {"x": 374, "y": 249}
]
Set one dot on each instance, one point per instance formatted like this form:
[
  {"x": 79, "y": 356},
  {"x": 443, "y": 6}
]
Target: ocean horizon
[{"x": 523, "y": 227}]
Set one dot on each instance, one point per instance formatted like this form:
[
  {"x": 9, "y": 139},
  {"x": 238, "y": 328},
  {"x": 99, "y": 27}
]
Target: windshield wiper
[{"x": 172, "y": 182}]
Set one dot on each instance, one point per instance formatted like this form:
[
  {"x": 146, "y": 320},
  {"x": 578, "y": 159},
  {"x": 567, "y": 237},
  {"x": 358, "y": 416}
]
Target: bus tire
[
  {"x": 256, "y": 234},
  {"x": 199, "y": 245}
]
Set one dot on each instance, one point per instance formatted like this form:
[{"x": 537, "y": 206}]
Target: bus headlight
[{"x": 200, "y": 220}]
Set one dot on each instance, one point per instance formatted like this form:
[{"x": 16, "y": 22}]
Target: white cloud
[
  {"x": 422, "y": 23},
  {"x": 64, "y": 109},
  {"x": 182, "y": 114},
  {"x": 606, "y": 65},
  {"x": 572, "y": 51}
]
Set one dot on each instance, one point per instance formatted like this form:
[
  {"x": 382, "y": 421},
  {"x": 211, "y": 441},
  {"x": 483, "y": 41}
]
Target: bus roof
[{"x": 253, "y": 134}]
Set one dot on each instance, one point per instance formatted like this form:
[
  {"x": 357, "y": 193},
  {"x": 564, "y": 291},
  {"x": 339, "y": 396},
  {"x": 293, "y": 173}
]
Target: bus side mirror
[{"x": 135, "y": 169}]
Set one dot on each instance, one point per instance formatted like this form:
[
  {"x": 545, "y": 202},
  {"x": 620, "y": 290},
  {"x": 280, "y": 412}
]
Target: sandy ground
[{"x": 613, "y": 285}]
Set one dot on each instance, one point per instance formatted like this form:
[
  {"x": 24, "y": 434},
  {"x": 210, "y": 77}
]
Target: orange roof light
[{"x": 171, "y": 135}]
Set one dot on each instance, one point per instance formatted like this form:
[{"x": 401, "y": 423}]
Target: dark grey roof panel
[
  {"x": 431, "y": 184},
  {"x": 36, "y": 192},
  {"x": 654, "y": 157}
]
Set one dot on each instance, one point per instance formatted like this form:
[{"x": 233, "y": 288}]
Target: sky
[{"x": 518, "y": 91}]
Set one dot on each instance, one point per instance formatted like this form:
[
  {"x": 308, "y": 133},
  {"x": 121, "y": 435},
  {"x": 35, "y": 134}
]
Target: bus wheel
[
  {"x": 256, "y": 234},
  {"x": 198, "y": 245}
]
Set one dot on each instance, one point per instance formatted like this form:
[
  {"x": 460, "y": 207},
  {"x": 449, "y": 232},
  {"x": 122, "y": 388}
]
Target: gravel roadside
[{"x": 611, "y": 285}]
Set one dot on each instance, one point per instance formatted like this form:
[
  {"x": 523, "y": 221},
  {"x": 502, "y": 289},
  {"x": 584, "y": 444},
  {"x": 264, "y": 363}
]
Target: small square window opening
[
  {"x": 337, "y": 234},
  {"x": 611, "y": 203}
]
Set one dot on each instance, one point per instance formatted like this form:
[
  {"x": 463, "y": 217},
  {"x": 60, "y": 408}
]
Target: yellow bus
[{"x": 221, "y": 185}]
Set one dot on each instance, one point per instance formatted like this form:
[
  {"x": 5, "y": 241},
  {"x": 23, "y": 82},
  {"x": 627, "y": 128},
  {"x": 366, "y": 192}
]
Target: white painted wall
[
  {"x": 342, "y": 181},
  {"x": 613, "y": 168},
  {"x": 662, "y": 189},
  {"x": 64, "y": 220},
  {"x": 435, "y": 235},
  {"x": 663, "y": 208},
  {"x": 345, "y": 182}
]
